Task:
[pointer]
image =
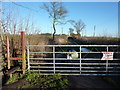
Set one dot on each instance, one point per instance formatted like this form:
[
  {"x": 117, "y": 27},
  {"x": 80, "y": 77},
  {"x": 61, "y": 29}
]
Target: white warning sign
[{"x": 107, "y": 56}]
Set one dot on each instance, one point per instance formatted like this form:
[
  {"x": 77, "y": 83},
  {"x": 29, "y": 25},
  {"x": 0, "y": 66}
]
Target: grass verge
[{"x": 35, "y": 80}]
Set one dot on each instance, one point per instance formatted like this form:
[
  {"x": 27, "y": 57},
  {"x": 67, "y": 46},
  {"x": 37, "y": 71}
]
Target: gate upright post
[
  {"x": 54, "y": 58},
  {"x": 80, "y": 59},
  {"x": 107, "y": 62},
  {"x": 23, "y": 52},
  {"x": 28, "y": 57}
]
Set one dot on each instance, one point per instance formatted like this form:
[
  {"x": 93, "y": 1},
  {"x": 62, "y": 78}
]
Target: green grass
[
  {"x": 46, "y": 81},
  {"x": 15, "y": 77},
  {"x": 34, "y": 80}
]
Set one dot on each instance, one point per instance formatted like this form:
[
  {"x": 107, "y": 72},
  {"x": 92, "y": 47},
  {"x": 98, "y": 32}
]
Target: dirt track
[{"x": 92, "y": 82}]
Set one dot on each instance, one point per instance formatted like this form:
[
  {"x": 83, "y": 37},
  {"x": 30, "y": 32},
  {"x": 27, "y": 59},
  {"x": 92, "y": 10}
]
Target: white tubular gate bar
[{"x": 79, "y": 66}]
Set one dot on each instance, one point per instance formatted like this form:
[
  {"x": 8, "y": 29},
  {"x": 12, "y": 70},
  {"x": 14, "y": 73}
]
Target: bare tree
[
  {"x": 78, "y": 25},
  {"x": 57, "y": 12}
]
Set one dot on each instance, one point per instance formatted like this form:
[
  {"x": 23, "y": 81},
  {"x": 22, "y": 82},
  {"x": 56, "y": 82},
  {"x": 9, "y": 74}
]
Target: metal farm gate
[{"x": 87, "y": 63}]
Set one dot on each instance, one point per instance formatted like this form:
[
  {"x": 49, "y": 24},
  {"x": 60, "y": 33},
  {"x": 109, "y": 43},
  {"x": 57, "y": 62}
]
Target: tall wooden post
[
  {"x": 23, "y": 52},
  {"x": 8, "y": 52}
]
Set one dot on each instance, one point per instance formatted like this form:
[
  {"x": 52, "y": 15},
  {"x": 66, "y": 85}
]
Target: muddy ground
[{"x": 91, "y": 82}]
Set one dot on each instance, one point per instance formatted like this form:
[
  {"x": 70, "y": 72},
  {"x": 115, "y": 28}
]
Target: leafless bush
[
  {"x": 61, "y": 40},
  {"x": 38, "y": 40}
]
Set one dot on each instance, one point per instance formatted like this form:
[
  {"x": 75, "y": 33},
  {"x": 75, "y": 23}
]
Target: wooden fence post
[
  {"x": 8, "y": 52},
  {"x": 23, "y": 52}
]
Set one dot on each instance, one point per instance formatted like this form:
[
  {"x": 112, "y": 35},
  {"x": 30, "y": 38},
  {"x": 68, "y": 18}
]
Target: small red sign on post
[{"x": 107, "y": 56}]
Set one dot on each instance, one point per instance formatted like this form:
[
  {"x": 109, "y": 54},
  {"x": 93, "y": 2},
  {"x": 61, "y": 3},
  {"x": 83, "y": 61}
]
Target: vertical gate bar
[
  {"x": 107, "y": 62},
  {"x": 28, "y": 54},
  {"x": 54, "y": 58},
  {"x": 80, "y": 59}
]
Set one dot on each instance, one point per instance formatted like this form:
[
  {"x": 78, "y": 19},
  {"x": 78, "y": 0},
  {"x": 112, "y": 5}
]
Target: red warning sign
[{"x": 107, "y": 56}]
